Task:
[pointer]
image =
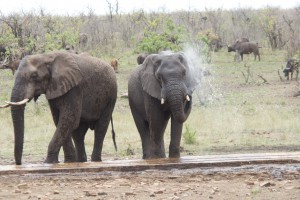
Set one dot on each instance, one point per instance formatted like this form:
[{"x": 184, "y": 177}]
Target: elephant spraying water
[
  {"x": 81, "y": 91},
  {"x": 159, "y": 89}
]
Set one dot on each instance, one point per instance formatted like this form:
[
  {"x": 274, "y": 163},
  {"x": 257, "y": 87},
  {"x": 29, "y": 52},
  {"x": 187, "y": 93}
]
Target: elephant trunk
[
  {"x": 180, "y": 103},
  {"x": 17, "y": 113}
]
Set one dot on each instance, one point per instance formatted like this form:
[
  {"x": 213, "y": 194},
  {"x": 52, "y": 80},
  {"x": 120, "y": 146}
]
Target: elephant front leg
[
  {"x": 157, "y": 129},
  {"x": 176, "y": 132},
  {"x": 158, "y": 120},
  {"x": 62, "y": 137},
  {"x": 68, "y": 147}
]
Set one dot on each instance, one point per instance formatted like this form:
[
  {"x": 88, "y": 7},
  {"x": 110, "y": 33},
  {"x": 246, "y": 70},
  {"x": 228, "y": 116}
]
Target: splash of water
[{"x": 206, "y": 90}]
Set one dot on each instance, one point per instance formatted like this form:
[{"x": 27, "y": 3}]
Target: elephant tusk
[
  {"x": 17, "y": 103},
  {"x": 5, "y": 106},
  {"x": 188, "y": 98},
  {"x": 162, "y": 100}
]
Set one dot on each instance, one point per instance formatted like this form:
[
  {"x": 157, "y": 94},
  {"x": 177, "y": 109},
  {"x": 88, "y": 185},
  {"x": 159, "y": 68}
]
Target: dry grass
[{"x": 232, "y": 117}]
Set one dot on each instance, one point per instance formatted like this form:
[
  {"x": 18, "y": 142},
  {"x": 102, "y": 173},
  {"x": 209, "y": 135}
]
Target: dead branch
[
  {"x": 265, "y": 80},
  {"x": 281, "y": 79},
  {"x": 246, "y": 78}
]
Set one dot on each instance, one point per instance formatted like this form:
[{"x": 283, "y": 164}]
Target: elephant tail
[{"x": 113, "y": 134}]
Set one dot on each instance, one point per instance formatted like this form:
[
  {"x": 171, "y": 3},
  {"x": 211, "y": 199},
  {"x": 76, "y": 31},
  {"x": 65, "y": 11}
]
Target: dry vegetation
[{"x": 230, "y": 114}]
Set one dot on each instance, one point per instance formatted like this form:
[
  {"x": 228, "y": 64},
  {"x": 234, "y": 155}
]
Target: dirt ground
[{"x": 247, "y": 182}]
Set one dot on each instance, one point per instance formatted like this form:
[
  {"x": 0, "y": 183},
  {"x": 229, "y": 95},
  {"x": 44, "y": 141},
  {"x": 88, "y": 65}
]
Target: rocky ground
[{"x": 247, "y": 182}]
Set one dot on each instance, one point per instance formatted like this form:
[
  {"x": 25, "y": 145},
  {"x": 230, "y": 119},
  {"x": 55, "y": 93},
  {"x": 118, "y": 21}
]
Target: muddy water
[{"x": 209, "y": 163}]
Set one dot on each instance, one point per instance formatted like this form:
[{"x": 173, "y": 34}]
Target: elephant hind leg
[
  {"x": 101, "y": 127},
  {"x": 69, "y": 151},
  {"x": 78, "y": 136},
  {"x": 66, "y": 117}
]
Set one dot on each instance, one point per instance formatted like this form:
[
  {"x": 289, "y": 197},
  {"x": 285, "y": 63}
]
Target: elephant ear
[
  {"x": 192, "y": 78},
  {"x": 150, "y": 84},
  {"x": 65, "y": 74}
]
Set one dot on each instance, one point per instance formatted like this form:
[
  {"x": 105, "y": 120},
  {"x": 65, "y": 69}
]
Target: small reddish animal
[{"x": 114, "y": 63}]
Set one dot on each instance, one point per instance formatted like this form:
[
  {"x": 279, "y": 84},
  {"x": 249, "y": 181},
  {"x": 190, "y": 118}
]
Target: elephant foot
[
  {"x": 83, "y": 159},
  {"x": 174, "y": 152},
  {"x": 69, "y": 159},
  {"x": 174, "y": 155},
  {"x": 96, "y": 159},
  {"x": 51, "y": 161},
  {"x": 154, "y": 156}
]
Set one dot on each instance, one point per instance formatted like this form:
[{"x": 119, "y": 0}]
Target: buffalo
[
  {"x": 12, "y": 65},
  {"x": 242, "y": 48},
  {"x": 292, "y": 66}
]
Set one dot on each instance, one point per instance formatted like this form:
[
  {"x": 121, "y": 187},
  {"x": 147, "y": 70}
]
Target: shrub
[
  {"x": 189, "y": 135},
  {"x": 171, "y": 38}
]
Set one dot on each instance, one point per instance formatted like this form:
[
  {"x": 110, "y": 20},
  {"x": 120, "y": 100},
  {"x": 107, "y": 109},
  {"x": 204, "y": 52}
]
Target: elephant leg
[
  {"x": 143, "y": 129},
  {"x": 158, "y": 121},
  {"x": 69, "y": 151},
  {"x": 100, "y": 131},
  {"x": 68, "y": 147},
  {"x": 176, "y": 132},
  {"x": 66, "y": 111},
  {"x": 157, "y": 129},
  {"x": 78, "y": 136}
]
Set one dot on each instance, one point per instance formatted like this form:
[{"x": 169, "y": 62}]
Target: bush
[
  {"x": 189, "y": 135},
  {"x": 171, "y": 38}
]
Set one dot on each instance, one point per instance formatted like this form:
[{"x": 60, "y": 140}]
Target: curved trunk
[
  {"x": 17, "y": 113},
  {"x": 180, "y": 108}
]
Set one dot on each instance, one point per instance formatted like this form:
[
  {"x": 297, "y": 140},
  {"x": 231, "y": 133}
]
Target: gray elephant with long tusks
[
  {"x": 159, "y": 89},
  {"x": 81, "y": 91}
]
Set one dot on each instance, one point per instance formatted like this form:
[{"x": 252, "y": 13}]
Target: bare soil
[{"x": 247, "y": 182}]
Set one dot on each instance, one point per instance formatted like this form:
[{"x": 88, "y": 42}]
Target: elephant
[
  {"x": 81, "y": 91},
  {"x": 141, "y": 57},
  {"x": 159, "y": 89}
]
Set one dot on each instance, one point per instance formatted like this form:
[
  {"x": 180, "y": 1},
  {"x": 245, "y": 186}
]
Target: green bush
[
  {"x": 171, "y": 38},
  {"x": 189, "y": 135}
]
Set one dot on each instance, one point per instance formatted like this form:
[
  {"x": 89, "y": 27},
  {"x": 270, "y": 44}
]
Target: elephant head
[
  {"x": 53, "y": 74},
  {"x": 167, "y": 77}
]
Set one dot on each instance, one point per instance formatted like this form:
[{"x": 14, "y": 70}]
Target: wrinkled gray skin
[
  {"x": 141, "y": 58},
  {"x": 242, "y": 48},
  {"x": 160, "y": 76},
  {"x": 81, "y": 91}
]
